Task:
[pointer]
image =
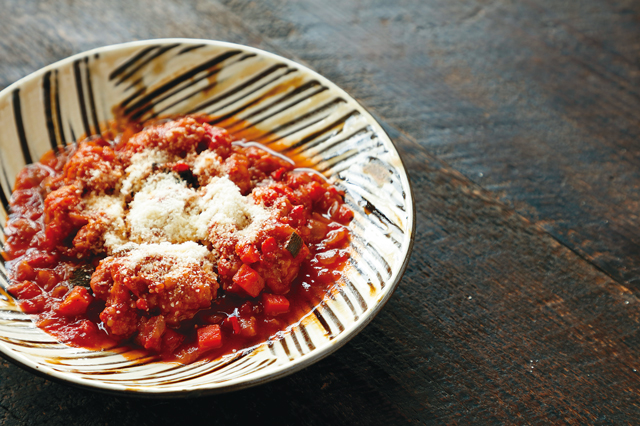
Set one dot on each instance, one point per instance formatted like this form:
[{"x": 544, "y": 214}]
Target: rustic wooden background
[{"x": 519, "y": 123}]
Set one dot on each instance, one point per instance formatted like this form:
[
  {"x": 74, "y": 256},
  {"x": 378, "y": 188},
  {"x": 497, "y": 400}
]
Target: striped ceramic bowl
[{"x": 258, "y": 96}]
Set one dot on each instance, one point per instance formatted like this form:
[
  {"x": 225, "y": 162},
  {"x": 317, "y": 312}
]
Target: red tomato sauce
[{"x": 243, "y": 289}]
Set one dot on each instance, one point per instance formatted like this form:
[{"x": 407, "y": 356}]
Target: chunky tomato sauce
[{"x": 172, "y": 237}]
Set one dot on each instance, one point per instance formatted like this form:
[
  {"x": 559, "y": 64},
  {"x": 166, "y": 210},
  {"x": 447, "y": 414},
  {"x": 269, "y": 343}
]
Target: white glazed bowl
[{"x": 270, "y": 99}]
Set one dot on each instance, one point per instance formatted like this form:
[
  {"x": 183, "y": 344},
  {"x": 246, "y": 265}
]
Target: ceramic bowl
[{"x": 258, "y": 96}]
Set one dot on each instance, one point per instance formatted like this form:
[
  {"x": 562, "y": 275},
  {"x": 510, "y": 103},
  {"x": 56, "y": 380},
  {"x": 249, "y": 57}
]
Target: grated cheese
[
  {"x": 186, "y": 253},
  {"x": 161, "y": 211},
  {"x": 165, "y": 210},
  {"x": 225, "y": 211},
  {"x": 111, "y": 209},
  {"x": 141, "y": 167},
  {"x": 208, "y": 163},
  {"x": 159, "y": 261}
]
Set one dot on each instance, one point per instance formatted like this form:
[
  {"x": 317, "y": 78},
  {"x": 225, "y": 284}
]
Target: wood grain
[
  {"x": 518, "y": 124},
  {"x": 535, "y": 100}
]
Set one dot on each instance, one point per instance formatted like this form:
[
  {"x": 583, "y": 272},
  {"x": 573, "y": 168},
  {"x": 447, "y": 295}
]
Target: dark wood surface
[{"x": 519, "y": 124}]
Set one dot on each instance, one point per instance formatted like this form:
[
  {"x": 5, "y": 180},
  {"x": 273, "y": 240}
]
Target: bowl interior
[{"x": 257, "y": 96}]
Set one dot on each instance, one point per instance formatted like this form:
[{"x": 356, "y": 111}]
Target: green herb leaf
[
  {"x": 82, "y": 276},
  {"x": 295, "y": 244}
]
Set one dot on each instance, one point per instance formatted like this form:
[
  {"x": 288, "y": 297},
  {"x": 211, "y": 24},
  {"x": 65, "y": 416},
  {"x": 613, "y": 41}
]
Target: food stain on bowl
[{"x": 257, "y": 97}]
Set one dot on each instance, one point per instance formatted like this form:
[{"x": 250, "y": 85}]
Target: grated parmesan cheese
[
  {"x": 166, "y": 209},
  {"x": 224, "y": 210},
  {"x": 207, "y": 163},
  {"x": 161, "y": 211},
  {"x": 141, "y": 167},
  {"x": 165, "y": 260},
  {"x": 111, "y": 209},
  {"x": 189, "y": 253},
  {"x": 165, "y": 213}
]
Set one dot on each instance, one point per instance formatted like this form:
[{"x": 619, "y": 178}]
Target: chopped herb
[
  {"x": 82, "y": 276},
  {"x": 295, "y": 244}
]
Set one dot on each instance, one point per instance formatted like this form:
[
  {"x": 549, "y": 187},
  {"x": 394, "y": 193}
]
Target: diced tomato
[
  {"x": 24, "y": 290},
  {"x": 209, "y": 337},
  {"x": 228, "y": 267},
  {"x": 50, "y": 159},
  {"x": 87, "y": 331},
  {"x": 171, "y": 340},
  {"x": 32, "y": 175},
  {"x": 180, "y": 167},
  {"x": 219, "y": 140},
  {"x": 298, "y": 216},
  {"x": 234, "y": 324},
  {"x": 246, "y": 308},
  {"x": 344, "y": 215},
  {"x": 248, "y": 253},
  {"x": 327, "y": 199},
  {"x": 151, "y": 331},
  {"x": 59, "y": 291},
  {"x": 248, "y": 327},
  {"x": 275, "y": 304},
  {"x": 142, "y": 304},
  {"x": 304, "y": 252},
  {"x": 277, "y": 175},
  {"x": 316, "y": 190},
  {"x": 249, "y": 280},
  {"x": 90, "y": 336},
  {"x": 33, "y": 306},
  {"x": 269, "y": 247},
  {"x": 41, "y": 259},
  {"x": 24, "y": 271},
  {"x": 187, "y": 353},
  {"x": 46, "y": 279},
  {"x": 76, "y": 302}
]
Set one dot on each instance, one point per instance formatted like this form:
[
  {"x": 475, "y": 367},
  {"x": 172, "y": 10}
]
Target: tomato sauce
[{"x": 95, "y": 277}]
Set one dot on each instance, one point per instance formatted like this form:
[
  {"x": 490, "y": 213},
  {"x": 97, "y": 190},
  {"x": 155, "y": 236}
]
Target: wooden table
[{"x": 519, "y": 124}]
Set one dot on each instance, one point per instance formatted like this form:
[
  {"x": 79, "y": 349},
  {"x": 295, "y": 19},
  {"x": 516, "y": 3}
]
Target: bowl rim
[{"x": 281, "y": 370}]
